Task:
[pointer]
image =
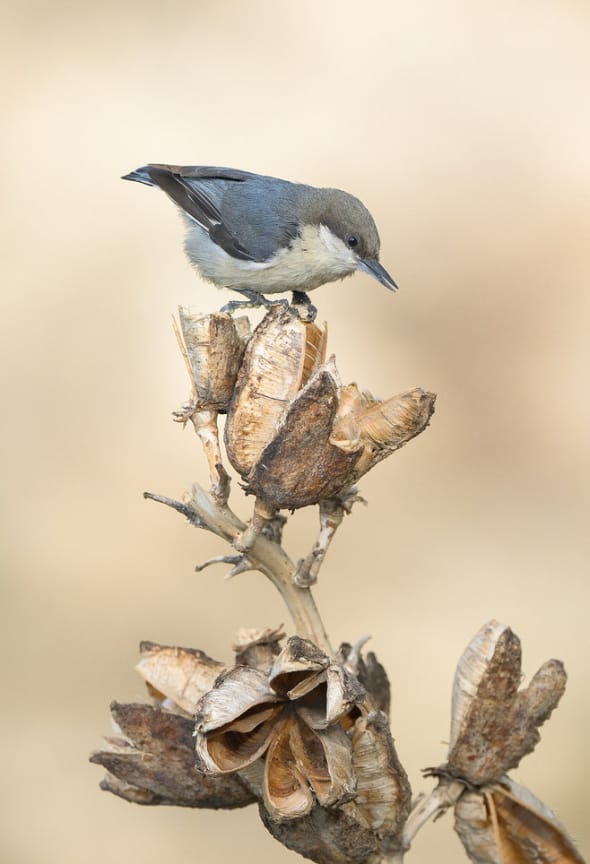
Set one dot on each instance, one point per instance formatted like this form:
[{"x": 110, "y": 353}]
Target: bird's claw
[
  {"x": 300, "y": 299},
  {"x": 253, "y": 299}
]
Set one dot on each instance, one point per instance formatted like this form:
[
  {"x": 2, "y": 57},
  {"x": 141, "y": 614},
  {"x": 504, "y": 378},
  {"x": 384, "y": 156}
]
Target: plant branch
[{"x": 203, "y": 511}]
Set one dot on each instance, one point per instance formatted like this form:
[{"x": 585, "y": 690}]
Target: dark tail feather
[{"x": 140, "y": 176}]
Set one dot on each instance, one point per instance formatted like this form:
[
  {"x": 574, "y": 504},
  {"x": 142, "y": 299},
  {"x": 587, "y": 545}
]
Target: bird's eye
[{"x": 352, "y": 240}]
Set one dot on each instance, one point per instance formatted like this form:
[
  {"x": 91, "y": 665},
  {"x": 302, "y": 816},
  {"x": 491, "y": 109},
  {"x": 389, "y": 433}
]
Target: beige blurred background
[{"x": 465, "y": 129}]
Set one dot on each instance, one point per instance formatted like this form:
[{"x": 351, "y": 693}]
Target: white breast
[{"x": 316, "y": 257}]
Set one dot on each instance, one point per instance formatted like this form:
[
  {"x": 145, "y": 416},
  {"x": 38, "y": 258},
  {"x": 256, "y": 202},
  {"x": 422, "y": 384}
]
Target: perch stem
[{"x": 268, "y": 557}]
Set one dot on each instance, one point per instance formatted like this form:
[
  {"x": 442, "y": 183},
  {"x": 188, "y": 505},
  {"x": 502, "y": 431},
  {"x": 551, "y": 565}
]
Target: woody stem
[{"x": 268, "y": 557}]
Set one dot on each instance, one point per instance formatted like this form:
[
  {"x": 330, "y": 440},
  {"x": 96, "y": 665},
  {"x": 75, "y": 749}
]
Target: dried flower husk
[
  {"x": 295, "y": 717},
  {"x": 234, "y": 720},
  {"x": 300, "y": 760},
  {"x": 281, "y": 356},
  {"x": 154, "y": 763},
  {"x": 506, "y": 824},
  {"x": 383, "y": 796},
  {"x": 213, "y": 346},
  {"x": 369, "y": 671},
  {"x": 493, "y": 725},
  {"x": 325, "y": 835},
  {"x": 180, "y": 675},
  {"x": 301, "y": 465},
  {"x": 258, "y": 648},
  {"x": 385, "y": 426},
  {"x": 297, "y": 665}
]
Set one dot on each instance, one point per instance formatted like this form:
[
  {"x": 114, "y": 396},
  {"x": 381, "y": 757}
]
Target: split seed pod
[
  {"x": 296, "y": 716},
  {"x": 213, "y": 346},
  {"x": 300, "y": 465},
  {"x": 380, "y": 427},
  {"x": 493, "y": 725},
  {"x": 506, "y": 824},
  {"x": 177, "y": 677},
  {"x": 280, "y": 358},
  {"x": 383, "y": 790},
  {"x": 330, "y": 437}
]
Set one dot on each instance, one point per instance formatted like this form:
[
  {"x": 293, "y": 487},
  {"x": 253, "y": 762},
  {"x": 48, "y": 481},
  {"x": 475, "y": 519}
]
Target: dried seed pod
[
  {"x": 296, "y": 666},
  {"x": 369, "y": 671},
  {"x": 154, "y": 763},
  {"x": 353, "y": 401},
  {"x": 258, "y": 648},
  {"x": 181, "y": 675},
  {"x": 300, "y": 760},
  {"x": 474, "y": 666},
  {"x": 493, "y": 725},
  {"x": 239, "y": 689},
  {"x": 386, "y": 426},
  {"x": 344, "y": 692},
  {"x": 326, "y": 835},
  {"x": 281, "y": 356},
  {"x": 506, "y": 824},
  {"x": 234, "y": 720},
  {"x": 383, "y": 791},
  {"x": 300, "y": 465},
  {"x": 284, "y": 717},
  {"x": 213, "y": 347}
]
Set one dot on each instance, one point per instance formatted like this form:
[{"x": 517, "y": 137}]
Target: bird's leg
[
  {"x": 300, "y": 298},
  {"x": 254, "y": 298}
]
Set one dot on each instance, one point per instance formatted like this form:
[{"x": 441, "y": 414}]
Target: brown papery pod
[
  {"x": 258, "y": 648},
  {"x": 180, "y": 675},
  {"x": 353, "y": 400},
  {"x": 213, "y": 348},
  {"x": 300, "y": 465},
  {"x": 154, "y": 763},
  {"x": 383, "y": 796},
  {"x": 281, "y": 356},
  {"x": 386, "y": 426},
  {"x": 493, "y": 725},
  {"x": 506, "y": 824}
]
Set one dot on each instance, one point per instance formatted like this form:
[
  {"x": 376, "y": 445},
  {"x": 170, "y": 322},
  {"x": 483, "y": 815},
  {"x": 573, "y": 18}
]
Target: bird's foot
[
  {"x": 253, "y": 299},
  {"x": 307, "y": 311}
]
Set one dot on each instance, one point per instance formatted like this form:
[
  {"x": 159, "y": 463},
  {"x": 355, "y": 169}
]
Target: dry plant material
[
  {"x": 153, "y": 762},
  {"x": 213, "y": 347},
  {"x": 281, "y": 356},
  {"x": 296, "y": 716},
  {"x": 506, "y": 824},
  {"x": 177, "y": 676},
  {"x": 493, "y": 723},
  {"x": 291, "y": 724}
]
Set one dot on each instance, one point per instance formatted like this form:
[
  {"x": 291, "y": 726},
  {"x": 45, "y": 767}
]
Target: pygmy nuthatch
[{"x": 261, "y": 235}]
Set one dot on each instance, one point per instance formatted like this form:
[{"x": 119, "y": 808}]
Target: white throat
[{"x": 315, "y": 257}]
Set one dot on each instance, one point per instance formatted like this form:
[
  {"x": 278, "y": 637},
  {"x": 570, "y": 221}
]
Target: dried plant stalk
[{"x": 292, "y": 725}]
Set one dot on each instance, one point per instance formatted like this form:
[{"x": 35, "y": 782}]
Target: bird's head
[{"x": 349, "y": 229}]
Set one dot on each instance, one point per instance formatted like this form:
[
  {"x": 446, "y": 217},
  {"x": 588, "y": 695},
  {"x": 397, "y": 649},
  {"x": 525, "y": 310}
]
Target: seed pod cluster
[
  {"x": 493, "y": 725},
  {"x": 294, "y": 433}
]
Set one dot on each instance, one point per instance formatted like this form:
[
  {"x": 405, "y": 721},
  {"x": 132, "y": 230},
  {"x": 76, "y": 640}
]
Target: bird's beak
[{"x": 375, "y": 269}]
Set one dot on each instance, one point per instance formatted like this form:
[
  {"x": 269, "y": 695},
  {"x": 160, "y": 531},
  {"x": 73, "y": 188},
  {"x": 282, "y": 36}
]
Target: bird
[{"x": 261, "y": 235}]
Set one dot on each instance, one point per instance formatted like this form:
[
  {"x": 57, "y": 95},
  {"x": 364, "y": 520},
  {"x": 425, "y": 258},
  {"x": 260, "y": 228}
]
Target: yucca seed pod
[
  {"x": 177, "y": 676},
  {"x": 258, "y": 648},
  {"x": 300, "y": 465},
  {"x": 385, "y": 426},
  {"x": 296, "y": 716},
  {"x": 383, "y": 795},
  {"x": 281, "y": 356},
  {"x": 493, "y": 724},
  {"x": 153, "y": 763},
  {"x": 213, "y": 346},
  {"x": 506, "y": 824}
]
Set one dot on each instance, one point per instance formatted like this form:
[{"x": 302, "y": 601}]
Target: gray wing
[{"x": 247, "y": 215}]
